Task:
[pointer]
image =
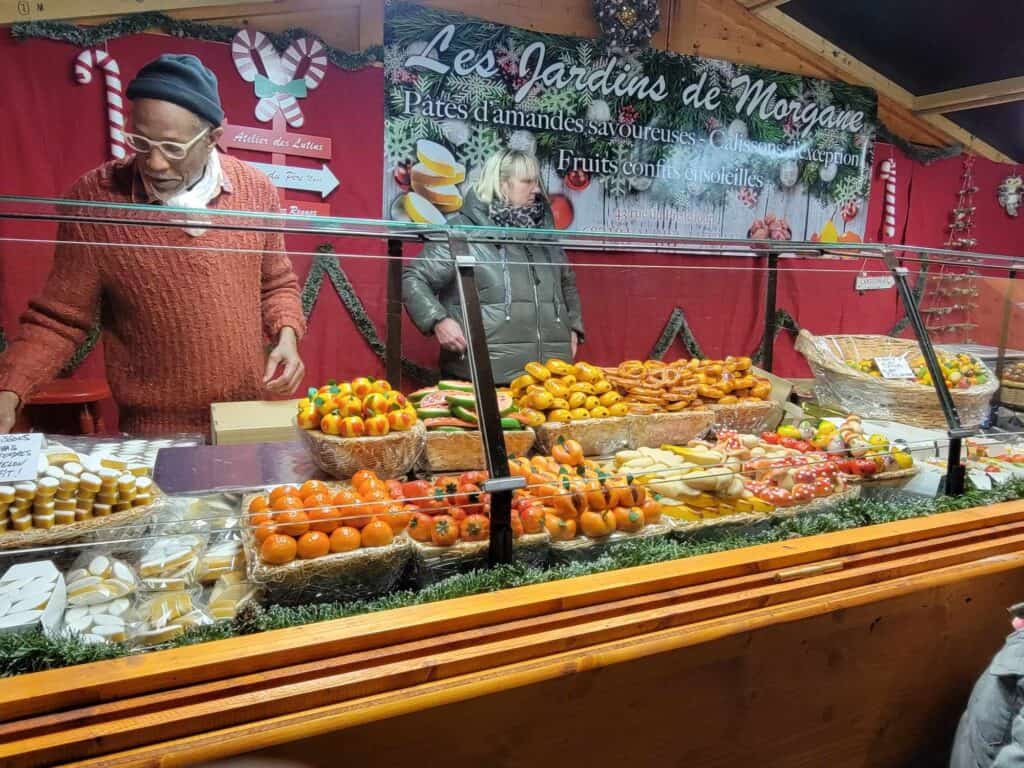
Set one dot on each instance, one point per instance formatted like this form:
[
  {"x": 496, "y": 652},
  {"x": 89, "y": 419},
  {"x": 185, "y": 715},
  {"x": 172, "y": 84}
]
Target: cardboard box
[{"x": 255, "y": 421}]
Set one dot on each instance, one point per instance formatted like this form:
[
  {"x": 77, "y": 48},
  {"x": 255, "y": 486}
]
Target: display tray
[
  {"x": 657, "y": 429},
  {"x": 749, "y": 418},
  {"x": 337, "y": 577},
  {"x": 431, "y": 563},
  {"x": 585, "y": 549},
  {"x": 883, "y": 477},
  {"x": 686, "y": 528},
  {"x": 71, "y": 532},
  {"x": 598, "y": 437},
  {"x": 1011, "y": 394},
  {"x": 451, "y": 451},
  {"x": 391, "y": 455}
]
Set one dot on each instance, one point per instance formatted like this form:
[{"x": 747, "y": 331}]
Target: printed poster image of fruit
[{"x": 658, "y": 143}]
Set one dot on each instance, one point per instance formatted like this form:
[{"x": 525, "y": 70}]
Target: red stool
[{"x": 54, "y": 408}]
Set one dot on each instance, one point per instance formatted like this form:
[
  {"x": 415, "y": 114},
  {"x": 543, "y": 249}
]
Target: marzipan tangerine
[
  {"x": 313, "y": 486},
  {"x": 283, "y": 490},
  {"x": 345, "y": 539},
  {"x": 262, "y": 531},
  {"x": 285, "y": 503},
  {"x": 259, "y": 504},
  {"x": 377, "y": 533},
  {"x": 293, "y": 522},
  {"x": 278, "y": 549},
  {"x": 260, "y": 518},
  {"x": 313, "y": 544}
]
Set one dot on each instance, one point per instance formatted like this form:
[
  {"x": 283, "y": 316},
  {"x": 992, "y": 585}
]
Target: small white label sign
[
  {"x": 19, "y": 456},
  {"x": 877, "y": 283},
  {"x": 894, "y": 368}
]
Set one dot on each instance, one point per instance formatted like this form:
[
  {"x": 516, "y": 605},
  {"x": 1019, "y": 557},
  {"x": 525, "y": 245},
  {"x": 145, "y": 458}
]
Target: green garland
[
  {"x": 137, "y": 23},
  {"x": 33, "y": 652},
  {"x": 677, "y": 325},
  {"x": 327, "y": 263}
]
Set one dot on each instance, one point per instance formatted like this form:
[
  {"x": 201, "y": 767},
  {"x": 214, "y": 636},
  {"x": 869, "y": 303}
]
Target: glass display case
[{"x": 602, "y": 400}]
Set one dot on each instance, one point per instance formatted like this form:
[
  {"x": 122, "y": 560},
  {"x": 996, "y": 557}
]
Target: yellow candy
[
  {"x": 619, "y": 409},
  {"x": 592, "y": 402},
  {"x": 577, "y": 399},
  {"x": 559, "y": 415},
  {"x": 579, "y": 413},
  {"x": 602, "y": 386},
  {"x": 600, "y": 413},
  {"x": 610, "y": 398}
]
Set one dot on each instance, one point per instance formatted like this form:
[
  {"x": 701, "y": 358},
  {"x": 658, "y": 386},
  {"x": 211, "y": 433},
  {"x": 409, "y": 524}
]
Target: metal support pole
[
  {"x": 499, "y": 485},
  {"x": 393, "y": 348},
  {"x": 771, "y": 289},
  {"x": 1004, "y": 336},
  {"x": 955, "y": 470}
]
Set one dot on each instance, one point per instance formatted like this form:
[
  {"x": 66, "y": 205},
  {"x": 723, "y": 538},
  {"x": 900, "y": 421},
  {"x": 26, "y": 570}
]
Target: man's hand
[
  {"x": 574, "y": 342},
  {"x": 8, "y": 411},
  {"x": 449, "y": 334},
  {"x": 286, "y": 356}
]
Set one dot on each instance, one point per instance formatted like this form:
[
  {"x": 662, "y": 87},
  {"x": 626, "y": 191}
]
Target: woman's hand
[
  {"x": 574, "y": 342},
  {"x": 285, "y": 354},
  {"x": 449, "y": 335}
]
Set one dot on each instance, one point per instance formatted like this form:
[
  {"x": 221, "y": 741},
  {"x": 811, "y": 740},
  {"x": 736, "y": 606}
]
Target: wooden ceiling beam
[
  {"x": 856, "y": 71},
  {"x": 39, "y": 10},
  {"x": 758, "y": 5},
  {"x": 971, "y": 97}
]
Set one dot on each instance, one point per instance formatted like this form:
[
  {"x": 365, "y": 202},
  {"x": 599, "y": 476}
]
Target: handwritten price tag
[
  {"x": 894, "y": 368},
  {"x": 19, "y": 456}
]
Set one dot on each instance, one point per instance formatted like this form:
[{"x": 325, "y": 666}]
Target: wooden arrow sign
[
  {"x": 309, "y": 179},
  {"x": 278, "y": 142}
]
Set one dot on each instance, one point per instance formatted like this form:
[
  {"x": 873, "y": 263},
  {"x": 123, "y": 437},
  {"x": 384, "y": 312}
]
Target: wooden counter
[{"x": 852, "y": 648}]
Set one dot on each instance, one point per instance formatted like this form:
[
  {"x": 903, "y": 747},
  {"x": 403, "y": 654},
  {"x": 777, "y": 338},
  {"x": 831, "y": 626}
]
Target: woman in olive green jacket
[{"x": 531, "y": 308}]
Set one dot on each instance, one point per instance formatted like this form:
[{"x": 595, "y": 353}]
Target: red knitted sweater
[{"x": 185, "y": 319}]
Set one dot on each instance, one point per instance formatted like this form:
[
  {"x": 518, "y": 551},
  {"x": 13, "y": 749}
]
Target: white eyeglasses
[{"x": 172, "y": 150}]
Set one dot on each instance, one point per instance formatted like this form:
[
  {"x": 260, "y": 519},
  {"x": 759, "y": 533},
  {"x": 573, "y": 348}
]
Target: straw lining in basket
[{"x": 898, "y": 400}]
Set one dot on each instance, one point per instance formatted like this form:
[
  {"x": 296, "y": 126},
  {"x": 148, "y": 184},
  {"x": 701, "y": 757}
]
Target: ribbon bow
[{"x": 267, "y": 88}]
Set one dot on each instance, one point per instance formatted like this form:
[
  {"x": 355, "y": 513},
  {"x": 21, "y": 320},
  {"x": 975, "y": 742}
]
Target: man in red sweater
[{"x": 186, "y": 312}]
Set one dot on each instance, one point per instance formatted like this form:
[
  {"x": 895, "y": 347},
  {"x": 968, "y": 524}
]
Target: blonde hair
[{"x": 502, "y": 166}]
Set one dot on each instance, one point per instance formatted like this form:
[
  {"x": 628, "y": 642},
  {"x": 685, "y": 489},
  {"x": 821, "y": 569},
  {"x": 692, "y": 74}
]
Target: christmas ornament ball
[
  {"x": 789, "y": 173},
  {"x": 561, "y": 211}
]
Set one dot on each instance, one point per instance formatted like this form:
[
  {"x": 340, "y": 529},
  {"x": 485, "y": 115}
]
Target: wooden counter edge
[
  {"x": 101, "y": 681},
  {"x": 253, "y": 736}
]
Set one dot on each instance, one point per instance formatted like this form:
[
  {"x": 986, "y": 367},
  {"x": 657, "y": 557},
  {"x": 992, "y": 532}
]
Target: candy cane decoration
[
  {"x": 307, "y": 48},
  {"x": 889, "y": 177},
  {"x": 85, "y": 62},
  {"x": 248, "y": 44}
]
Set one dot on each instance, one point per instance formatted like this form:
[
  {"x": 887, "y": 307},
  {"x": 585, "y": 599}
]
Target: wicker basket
[
  {"x": 449, "y": 451},
  {"x": 338, "y": 577},
  {"x": 749, "y": 418},
  {"x": 391, "y": 455},
  {"x": 657, "y": 429},
  {"x": 1012, "y": 393},
  {"x": 890, "y": 399},
  {"x": 599, "y": 437}
]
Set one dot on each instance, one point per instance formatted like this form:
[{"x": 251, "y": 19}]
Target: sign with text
[
  {"x": 874, "y": 283},
  {"x": 656, "y": 143},
  {"x": 19, "y": 457},
  {"x": 310, "y": 179},
  {"x": 264, "y": 140},
  {"x": 894, "y": 367}
]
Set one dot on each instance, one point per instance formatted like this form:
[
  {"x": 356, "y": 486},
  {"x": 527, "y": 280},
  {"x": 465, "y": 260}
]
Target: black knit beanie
[{"x": 180, "y": 79}]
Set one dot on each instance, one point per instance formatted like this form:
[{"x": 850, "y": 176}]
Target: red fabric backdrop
[{"x": 56, "y": 130}]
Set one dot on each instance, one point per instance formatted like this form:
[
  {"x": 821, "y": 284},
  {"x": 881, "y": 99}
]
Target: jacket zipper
[{"x": 536, "y": 306}]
